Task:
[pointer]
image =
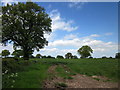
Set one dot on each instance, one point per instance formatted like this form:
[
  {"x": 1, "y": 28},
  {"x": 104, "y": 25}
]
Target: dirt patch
[
  {"x": 78, "y": 81},
  {"x": 52, "y": 69},
  {"x": 83, "y": 81}
]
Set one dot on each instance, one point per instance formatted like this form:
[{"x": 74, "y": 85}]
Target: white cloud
[
  {"x": 99, "y": 47},
  {"x": 50, "y": 37},
  {"x": 77, "y": 5},
  {"x": 108, "y": 34},
  {"x": 59, "y": 23},
  {"x": 94, "y": 35},
  {"x": 8, "y": 47},
  {"x": 55, "y": 51},
  {"x": 9, "y": 2},
  {"x": 70, "y": 36}
]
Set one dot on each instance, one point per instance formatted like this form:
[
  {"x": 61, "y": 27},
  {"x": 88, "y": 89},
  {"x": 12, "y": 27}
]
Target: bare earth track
[{"x": 78, "y": 81}]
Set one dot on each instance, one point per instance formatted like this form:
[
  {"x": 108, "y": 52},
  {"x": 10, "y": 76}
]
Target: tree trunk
[{"x": 25, "y": 54}]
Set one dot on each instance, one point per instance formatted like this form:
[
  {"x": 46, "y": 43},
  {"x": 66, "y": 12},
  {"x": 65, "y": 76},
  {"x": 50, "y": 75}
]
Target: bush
[
  {"x": 104, "y": 57},
  {"x": 60, "y": 57},
  {"x": 60, "y": 85},
  {"x": 13, "y": 66},
  {"x": 110, "y": 57},
  {"x": 90, "y": 57}
]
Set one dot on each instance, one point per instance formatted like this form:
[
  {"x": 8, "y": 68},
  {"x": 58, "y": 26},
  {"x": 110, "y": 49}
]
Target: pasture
[{"x": 36, "y": 72}]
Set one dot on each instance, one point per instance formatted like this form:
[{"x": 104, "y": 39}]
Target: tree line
[{"x": 19, "y": 54}]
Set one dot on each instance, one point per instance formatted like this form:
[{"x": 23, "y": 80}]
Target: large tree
[
  {"x": 117, "y": 55},
  {"x": 68, "y": 55},
  {"x": 5, "y": 53},
  {"x": 24, "y": 24},
  {"x": 85, "y": 51}
]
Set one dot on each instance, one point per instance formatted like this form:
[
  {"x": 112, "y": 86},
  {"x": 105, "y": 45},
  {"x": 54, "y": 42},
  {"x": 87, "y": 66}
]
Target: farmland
[{"x": 36, "y": 72}]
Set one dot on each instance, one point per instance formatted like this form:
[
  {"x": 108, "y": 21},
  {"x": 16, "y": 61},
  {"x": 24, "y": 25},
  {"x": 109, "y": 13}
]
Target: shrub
[
  {"x": 90, "y": 57},
  {"x": 58, "y": 85},
  {"x": 60, "y": 57},
  {"x": 104, "y": 57}
]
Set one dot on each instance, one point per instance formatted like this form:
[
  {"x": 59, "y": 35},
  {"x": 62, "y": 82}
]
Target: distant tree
[
  {"x": 5, "y": 53},
  {"x": 90, "y": 57},
  {"x": 24, "y": 24},
  {"x": 68, "y": 55},
  {"x": 50, "y": 57},
  {"x": 104, "y": 57},
  {"x": 38, "y": 56},
  {"x": 110, "y": 57},
  {"x": 60, "y": 57},
  {"x": 44, "y": 56},
  {"x": 85, "y": 51},
  {"x": 117, "y": 55},
  {"x": 74, "y": 57},
  {"x": 17, "y": 53}
]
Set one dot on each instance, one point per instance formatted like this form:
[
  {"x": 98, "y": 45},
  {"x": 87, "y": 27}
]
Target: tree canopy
[
  {"x": 68, "y": 55},
  {"x": 5, "y": 53},
  {"x": 17, "y": 53},
  {"x": 24, "y": 24},
  {"x": 38, "y": 56},
  {"x": 85, "y": 51},
  {"x": 117, "y": 55},
  {"x": 60, "y": 57}
]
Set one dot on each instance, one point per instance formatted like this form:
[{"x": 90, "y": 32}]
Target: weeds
[{"x": 61, "y": 85}]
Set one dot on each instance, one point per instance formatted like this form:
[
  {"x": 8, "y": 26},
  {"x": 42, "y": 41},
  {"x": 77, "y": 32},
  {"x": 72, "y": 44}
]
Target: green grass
[
  {"x": 32, "y": 75},
  {"x": 100, "y": 67},
  {"x": 64, "y": 73}
]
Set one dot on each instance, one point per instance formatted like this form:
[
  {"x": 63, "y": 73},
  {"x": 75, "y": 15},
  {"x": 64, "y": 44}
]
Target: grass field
[{"x": 33, "y": 75}]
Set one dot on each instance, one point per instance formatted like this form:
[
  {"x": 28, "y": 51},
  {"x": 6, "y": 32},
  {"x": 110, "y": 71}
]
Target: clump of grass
[
  {"x": 106, "y": 80},
  {"x": 72, "y": 73},
  {"x": 68, "y": 77},
  {"x": 97, "y": 79},
  {"x": 61, "y": 85}
]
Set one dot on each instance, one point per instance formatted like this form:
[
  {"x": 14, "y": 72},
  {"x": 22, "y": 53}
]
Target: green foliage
[
  {"x": 60, "y": 57},
  {"x": 104, "y": 57},
  {"x": 68, "y": 77},
  {"x": 117, "y": 55},
  {"x": 13, "y": 66},
  {"x": 5, "y": 53},
  {"x": 8, "y": 80},
  {"x": 38, "y": 56},
  {"x": 30, "y": 74},
  {"x": 17, "y": 53},
  {"x": 85, "y": 51},
  {"x": 62, "y": 72},
  {"x": 25, "y": 25},
  {"x": 74, "y": 57},
  {"x": 68, "y": 55}
]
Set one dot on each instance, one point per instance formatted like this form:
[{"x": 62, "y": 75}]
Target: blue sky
[{"x": 76, "y": 24}]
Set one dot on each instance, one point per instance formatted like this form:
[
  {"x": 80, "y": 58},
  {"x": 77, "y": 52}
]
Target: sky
[{"x": 75, "y": 24}]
